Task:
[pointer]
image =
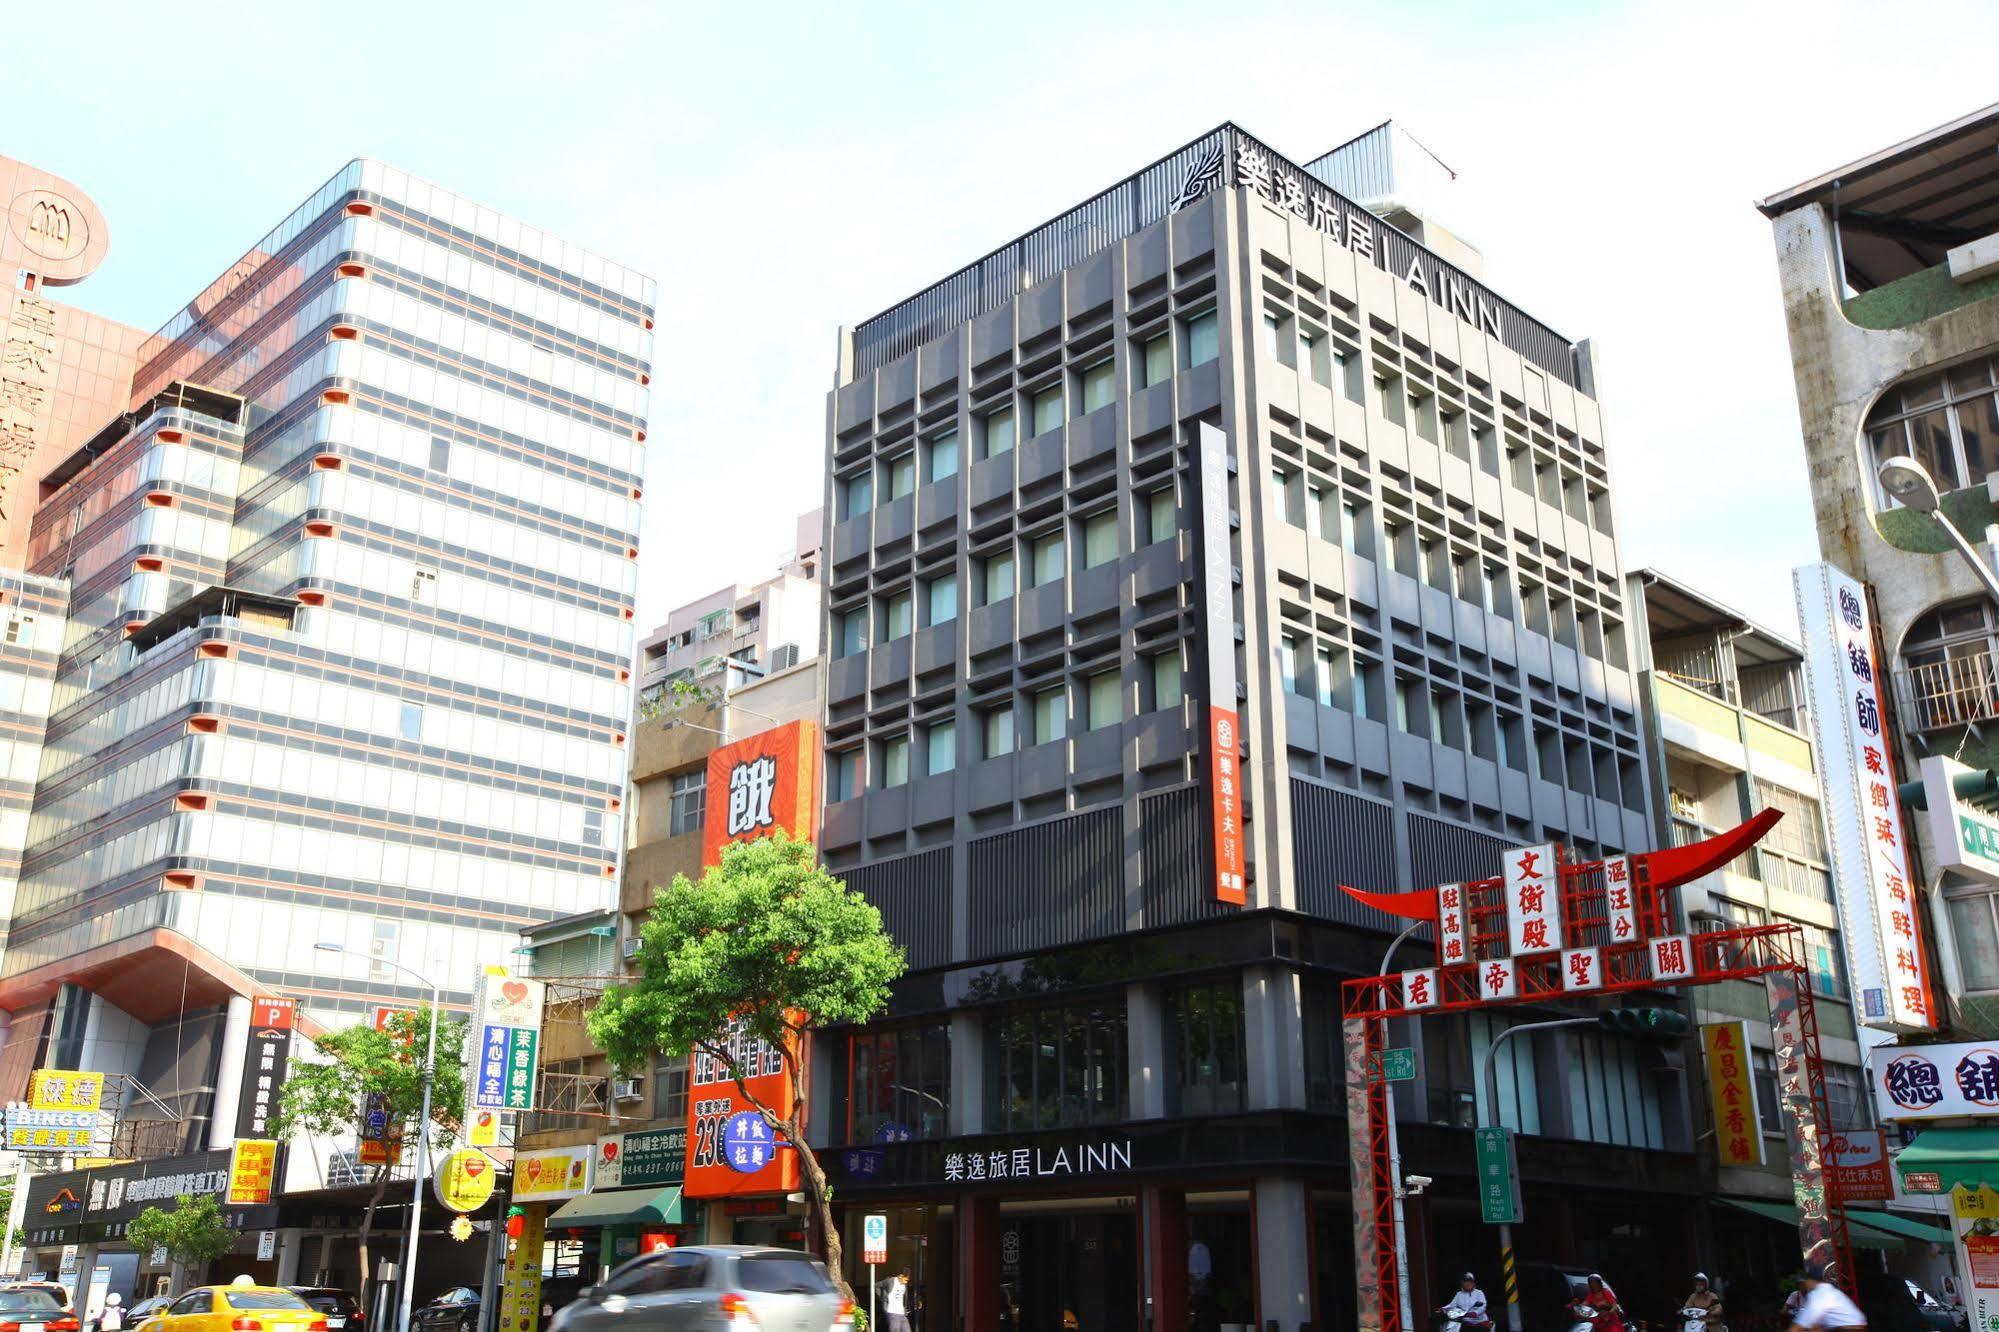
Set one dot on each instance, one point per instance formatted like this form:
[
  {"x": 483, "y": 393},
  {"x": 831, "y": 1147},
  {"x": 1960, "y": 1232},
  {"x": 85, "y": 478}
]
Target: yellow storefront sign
[
  {"x": 64, "y": 1089},
  {"x": 1974, "y": 1205},
  {"x": 252, "y": 1163},
  {"x": 465, "y": 1180}
]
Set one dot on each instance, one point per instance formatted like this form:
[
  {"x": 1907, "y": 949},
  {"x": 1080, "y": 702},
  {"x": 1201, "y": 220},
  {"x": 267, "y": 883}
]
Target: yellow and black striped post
[{"x": 1510, "y": 1278}]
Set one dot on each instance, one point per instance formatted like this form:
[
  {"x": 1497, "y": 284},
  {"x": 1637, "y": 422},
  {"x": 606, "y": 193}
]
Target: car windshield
[
  {"x": 262, "y": 1299},
  {"x": 327, "y": 1301},
  {"x": 781, "y": 1274},
  {"x": 28, "y": 1302}
]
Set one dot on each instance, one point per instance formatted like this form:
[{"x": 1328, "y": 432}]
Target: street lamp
[
  {"x": 1911, "y": 486},
  {"x": 422, "y": 1127}
]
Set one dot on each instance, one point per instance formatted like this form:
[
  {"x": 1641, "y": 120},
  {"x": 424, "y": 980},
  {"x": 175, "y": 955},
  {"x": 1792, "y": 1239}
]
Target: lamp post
[
  {"x": 1912, "y": 486},
  {"x": 1395, "y": 1156},
  {"x": 422, "y": 1131}
]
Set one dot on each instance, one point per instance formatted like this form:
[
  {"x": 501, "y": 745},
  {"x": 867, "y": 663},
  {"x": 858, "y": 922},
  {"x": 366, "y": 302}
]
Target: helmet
[
  {"x": 1469, "y": 1276},
  {"x": 1700, "y": 1277},
  {"x": 1597, "y": 1277}
]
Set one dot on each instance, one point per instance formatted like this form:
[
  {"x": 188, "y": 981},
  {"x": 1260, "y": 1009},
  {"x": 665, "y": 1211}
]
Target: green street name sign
[
  {"x": 1498, "y": 1177},
  {"x": 1978, "y": 837},
  {"x": 1398, "y": 1064}
]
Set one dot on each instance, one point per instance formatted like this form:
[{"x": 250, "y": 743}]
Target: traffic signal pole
[{"x": 1489, "y": 1076}]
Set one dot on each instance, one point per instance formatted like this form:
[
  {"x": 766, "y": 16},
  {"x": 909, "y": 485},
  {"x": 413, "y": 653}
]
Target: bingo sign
[
  {"x": 748, "y": 1143},
  {"x": 1935, "y": 1081}
]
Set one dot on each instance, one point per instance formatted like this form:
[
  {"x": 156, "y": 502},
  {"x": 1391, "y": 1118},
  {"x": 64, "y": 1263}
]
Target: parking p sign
[{"x": 874, "y": 1239}]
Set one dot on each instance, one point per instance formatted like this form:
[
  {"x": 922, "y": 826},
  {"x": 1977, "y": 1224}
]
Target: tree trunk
[{"x": 815, "y": 1188}]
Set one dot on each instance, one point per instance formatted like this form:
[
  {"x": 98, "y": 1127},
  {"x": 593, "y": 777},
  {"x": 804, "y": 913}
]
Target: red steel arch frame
[{"x": 1773, "y": 953}]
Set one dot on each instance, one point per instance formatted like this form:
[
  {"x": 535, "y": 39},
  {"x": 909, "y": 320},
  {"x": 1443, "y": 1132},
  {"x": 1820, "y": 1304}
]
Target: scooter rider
[
  {"x": 1467, "y": 1306},
  {"x": 1600, "y": 1306},
  {"x": 1707, "y": 1301}
]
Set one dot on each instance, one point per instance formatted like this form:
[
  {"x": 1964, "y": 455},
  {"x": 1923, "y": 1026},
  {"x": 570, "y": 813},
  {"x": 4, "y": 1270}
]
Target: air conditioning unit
[
  {"x": 627, "y": 1089},
  {"x": 630, "y": 946}
]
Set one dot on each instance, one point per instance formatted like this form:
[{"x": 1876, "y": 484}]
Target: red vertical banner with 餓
[
  {"x": 1217, "y": 634},
  {"x": 761, "y": 784}
]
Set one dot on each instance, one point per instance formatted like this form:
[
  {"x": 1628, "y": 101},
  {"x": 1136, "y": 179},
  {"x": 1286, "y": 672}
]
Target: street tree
[
  {"x": 193, "y": 1233},
  {"x": 768, "y": 943},
  {"x": 362, "y": 1065}
]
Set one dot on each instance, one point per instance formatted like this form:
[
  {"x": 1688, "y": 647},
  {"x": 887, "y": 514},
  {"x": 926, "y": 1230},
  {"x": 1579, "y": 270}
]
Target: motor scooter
[{"x": 1696, "y": 1320}]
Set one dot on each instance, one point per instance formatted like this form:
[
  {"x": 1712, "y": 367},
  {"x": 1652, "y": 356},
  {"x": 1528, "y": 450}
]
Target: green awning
[
  {"x": 620, "y": 1207},
  {"x": 1858, "y": 1234},
  {"x": 1967, "y": 1156},
  {"x": 1907, "y": 1226}
]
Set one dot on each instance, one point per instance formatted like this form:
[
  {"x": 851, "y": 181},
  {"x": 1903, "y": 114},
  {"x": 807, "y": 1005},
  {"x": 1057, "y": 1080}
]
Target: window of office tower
[
  {"x": 1054, "y": 1067},
  {"x": 1205, "y": 1020},
  {"x": 1948, "y": 422}
]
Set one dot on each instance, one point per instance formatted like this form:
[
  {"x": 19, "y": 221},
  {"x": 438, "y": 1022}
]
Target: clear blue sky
[{"x": 783, "y": 169}]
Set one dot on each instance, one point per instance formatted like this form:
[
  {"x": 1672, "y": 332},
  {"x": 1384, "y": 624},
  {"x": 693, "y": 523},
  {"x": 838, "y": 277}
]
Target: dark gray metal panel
[
  {"x": 1444, "y": 852},
  {"x": 1176, "y": 865},
  {"x": 1048, "y": 883},
  {"x": 913, "y": 893},
  {"x": 1339, "y": 837}
]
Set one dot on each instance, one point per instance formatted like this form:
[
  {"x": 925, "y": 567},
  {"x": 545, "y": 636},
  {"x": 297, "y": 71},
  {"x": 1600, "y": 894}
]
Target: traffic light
[
  {"x": 1663, "y": 1023},
  {"x": 1979, "y": 786}
]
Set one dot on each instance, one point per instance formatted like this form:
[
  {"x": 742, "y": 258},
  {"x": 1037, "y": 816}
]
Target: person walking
[
  {"x": 112, "y": 1319},
  {"x": 894, "y": 1296}
]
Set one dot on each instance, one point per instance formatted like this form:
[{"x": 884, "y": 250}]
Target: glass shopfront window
[
  {"x": 1204, "y": 1025},
  {"x": 1056, "y": 1067},
  {"x": 899, "y": 1083}
]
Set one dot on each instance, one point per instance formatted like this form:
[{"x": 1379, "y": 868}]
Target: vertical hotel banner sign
[
  {"x": 1879, "y": 905},
  {"x": 762, "y": 784},
  {"x": 1224, "y": 723},
  {"x": 1738, "y": 1134}
]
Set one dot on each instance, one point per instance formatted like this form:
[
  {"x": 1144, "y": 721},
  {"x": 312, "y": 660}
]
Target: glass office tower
[{"x": 348, "y": 648}]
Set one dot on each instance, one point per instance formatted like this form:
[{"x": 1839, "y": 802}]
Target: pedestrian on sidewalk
[{"x": 894, "y": 1296}]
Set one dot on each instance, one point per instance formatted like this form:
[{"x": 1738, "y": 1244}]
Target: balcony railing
[{"x": 1956, "y": 691}]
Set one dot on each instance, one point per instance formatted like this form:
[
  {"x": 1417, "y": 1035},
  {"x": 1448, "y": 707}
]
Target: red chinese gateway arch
[{"x": 1629, "y": 933}]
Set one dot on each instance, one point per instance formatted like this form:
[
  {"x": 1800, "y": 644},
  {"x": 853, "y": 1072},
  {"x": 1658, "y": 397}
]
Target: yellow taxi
[{"x": 235, "y": 1308}]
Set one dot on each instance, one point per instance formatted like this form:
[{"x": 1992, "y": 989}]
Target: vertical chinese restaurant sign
[
  {"x": 713, "y": 1099},
  {"x": 1879, "y": 906},
  {"x": 501, "y": 1041},
  {"x": 1533, "y": 885},
  {"x": 761, "y": 784},
  {"x": 1738, "y": 1135},
  {"x": 1224, "y": 723}
]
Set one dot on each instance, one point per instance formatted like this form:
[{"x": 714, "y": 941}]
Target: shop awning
[
  {"x": 1906, "y": 1226},
  {"x": 620, "y": 1207},
  {"x": 1967, "y": 1156},
  {"x": 1860, "y": 1235}
]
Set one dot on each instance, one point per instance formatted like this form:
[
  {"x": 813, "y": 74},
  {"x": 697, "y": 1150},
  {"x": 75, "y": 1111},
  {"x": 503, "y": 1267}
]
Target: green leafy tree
[
  {"x": 324, "y": 1098},
  {"x": 770, "y": 941},
  {"x": 193, "y": 1233}
]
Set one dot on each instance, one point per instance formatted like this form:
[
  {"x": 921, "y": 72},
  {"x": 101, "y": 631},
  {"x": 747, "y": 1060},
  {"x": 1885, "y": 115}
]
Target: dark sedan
[{"x": 456, "y": 1310}]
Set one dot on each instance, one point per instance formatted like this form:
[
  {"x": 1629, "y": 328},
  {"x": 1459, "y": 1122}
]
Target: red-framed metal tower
[{"x": 1771, "y": 953}]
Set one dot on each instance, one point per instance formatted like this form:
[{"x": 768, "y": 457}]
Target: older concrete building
[
  {"x": 1890, "y": 274},
  {"x": 743, "y": 631},
  {"x": 1204, "y": 549}
]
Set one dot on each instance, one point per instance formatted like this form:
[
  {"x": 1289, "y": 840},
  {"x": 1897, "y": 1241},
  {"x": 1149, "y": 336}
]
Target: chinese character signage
[
  {"x": 265, "y": 1060},
  {"x": 1672, "y": 957},
  {"x": 1419, "y": 988},
  {"x": 649, "y": 1158},
  {"x": 1935, "y": 1081},
  {"x": 1224, "y": 722},
  {"x": 520, "y": 1279},
  {"x": 1738, "y": 1134},
  {"x": 1880, "y": 908},
  {"x": 764, "y": 783},
  {"x": 1582, "y": 969},
  {"x": 1533, "y": 887},
  {"x": 1453, "y": 923},
  {"x": 252, "y": 1162},
  {"x": 552, "y": 1173},
  {"x": 1859, "y": 1168},
  {"x": 1498, "y": 1176},
  {"x": 50, "y": 1130},
  {"x": 502, "y": 1037},
  {"x": 1004, "y": 1163},
  {"x": 716, "y": 1108},
  {"x": 1497, "y": 979},
  {"x": 1620, "y": 900},
  {"x": 61, "y": 1089}
]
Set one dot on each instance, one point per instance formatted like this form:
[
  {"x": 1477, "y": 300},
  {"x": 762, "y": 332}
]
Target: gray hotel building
[
  {"x": 1219, "y": 442},
  {"x": 345, "y": 609}
]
